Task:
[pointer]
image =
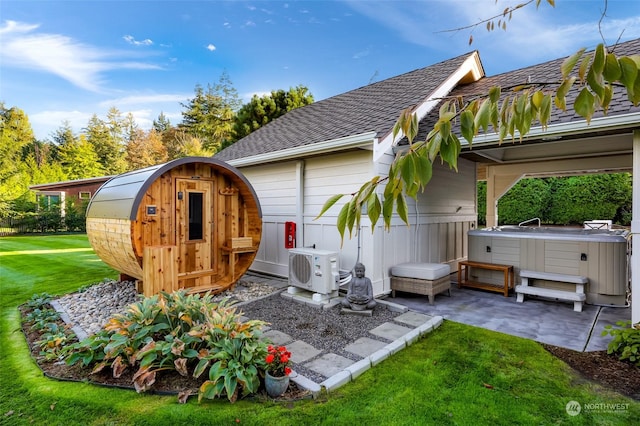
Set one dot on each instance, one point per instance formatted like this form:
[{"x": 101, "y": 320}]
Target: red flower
[{"x": 277, "y": 361}]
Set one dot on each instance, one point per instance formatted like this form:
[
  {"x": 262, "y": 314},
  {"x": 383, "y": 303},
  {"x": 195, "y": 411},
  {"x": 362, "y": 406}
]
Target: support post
[
  {"x": 491, "y": 218},
  {"x": 635, "y": 233}
]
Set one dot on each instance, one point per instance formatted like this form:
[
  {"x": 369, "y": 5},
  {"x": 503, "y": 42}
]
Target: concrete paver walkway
[{"x": 550, "y": 322}]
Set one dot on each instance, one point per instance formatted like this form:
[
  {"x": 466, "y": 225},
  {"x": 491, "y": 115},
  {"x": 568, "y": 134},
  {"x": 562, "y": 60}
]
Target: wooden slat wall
[
  {"x": 160, "y": 269},
  {"x": 111, "y": 240}
]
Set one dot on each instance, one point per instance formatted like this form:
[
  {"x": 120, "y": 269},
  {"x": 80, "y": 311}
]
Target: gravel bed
[{"x": 327, "y": 330}]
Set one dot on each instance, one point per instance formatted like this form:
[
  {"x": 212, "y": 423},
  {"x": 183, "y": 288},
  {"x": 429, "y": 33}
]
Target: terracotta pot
[{"x": 276, "y": 386}]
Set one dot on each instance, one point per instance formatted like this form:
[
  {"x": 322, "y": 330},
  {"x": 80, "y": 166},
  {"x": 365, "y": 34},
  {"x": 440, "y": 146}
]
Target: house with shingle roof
[
  {"x": 299, "y": 160},
  {"x": 296, "y": 162}
]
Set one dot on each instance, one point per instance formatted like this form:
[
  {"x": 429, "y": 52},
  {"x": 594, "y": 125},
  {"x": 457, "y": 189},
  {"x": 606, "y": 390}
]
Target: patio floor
[{"x": 551, "y": 322}]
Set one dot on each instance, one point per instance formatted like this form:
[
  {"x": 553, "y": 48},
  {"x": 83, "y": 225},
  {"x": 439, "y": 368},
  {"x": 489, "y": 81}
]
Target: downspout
[
  {"x": 300, "y": 203},
  {"x": 635, "y": 233}
]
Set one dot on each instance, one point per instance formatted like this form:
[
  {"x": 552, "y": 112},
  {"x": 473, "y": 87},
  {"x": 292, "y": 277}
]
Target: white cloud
[
  {"x": 131, "y": 40},
  {"x": 533, "y": 34},
  {"x": 146, "y": 99},
  {"x": 211, "y": 47},
  {"x": 362, "y": 54},
  {"x": 17, "y": 27},
  {"x": 246, "y": 97},
  {"x": 80, "y": 64},
  {"x": 45, "y": 123}
]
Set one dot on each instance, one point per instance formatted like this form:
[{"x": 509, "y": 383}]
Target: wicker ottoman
[{"x": 428, "y": 279}]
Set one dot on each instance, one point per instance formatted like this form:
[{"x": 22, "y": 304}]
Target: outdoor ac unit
[{"x": 314, "y": 270}]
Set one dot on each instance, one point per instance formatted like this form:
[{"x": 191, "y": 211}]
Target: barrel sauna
[{"x": 194, "y": 223}]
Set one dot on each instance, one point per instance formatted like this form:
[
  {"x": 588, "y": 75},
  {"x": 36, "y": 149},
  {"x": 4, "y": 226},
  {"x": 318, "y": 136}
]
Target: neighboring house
[
  {"x": 299, "y": 160},
  {"x": 60, "y": 192}
]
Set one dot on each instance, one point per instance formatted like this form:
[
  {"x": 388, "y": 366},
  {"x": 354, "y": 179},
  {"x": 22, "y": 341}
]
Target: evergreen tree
[
  {"x": 106, "y": 146},
  {"x": 77, "y": 156},
  {"x": 15, "y": 134},
  {"x": 209, "y": 115},
  {"x": 162, "y": 124},
  {"x": 261, "y": 110}
]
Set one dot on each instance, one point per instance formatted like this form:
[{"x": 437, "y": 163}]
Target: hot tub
[{"x": 598, "y": 254}]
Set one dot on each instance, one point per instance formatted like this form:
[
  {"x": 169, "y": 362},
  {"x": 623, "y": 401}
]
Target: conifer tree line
[
  {"x": 211, "y": 120},
  {"x": 215, "y": 118}
]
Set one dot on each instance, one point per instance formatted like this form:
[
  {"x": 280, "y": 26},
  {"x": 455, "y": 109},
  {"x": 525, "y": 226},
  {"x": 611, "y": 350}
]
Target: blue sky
[{"x": 66, "y": 60}]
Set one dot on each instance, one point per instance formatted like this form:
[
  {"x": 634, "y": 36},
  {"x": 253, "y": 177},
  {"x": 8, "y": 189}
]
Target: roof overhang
[
  {"x": 69, "y": 183},
  {"x": 362, "y": 141},
  {"x": 560, "y": 131},
  {"x": 604, "y": 136}
]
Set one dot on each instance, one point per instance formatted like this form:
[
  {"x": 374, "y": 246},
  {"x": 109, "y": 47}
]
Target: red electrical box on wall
[{"x": 289, "y": 235}]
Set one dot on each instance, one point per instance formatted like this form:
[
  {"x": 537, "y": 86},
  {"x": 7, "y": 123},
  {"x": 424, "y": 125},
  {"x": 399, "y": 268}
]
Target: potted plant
[{"x": 277, "y": 370}]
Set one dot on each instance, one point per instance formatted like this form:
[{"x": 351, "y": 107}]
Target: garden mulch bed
[
  {"x": 598, "y": 367},
  {"x": 167, "y": 382},
  {"x": 601, "y": 368}
]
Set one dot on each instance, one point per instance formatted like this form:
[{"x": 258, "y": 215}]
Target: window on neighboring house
[
  {"x": 84, "y": 195},
  {"x": 48, "y": 200}
]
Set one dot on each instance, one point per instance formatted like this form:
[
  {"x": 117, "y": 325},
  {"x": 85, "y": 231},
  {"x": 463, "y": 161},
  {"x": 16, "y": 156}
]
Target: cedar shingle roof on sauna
[
  {"x": 374, "y": 107},
  {"x": 545, "y": 72}
]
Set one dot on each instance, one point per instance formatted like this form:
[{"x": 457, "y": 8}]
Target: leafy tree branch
[
  {"x": 509, "y": 112},
  {"x": 500, "y": 20}
]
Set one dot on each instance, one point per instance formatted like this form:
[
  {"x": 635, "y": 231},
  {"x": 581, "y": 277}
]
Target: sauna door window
[{"x": 196, "y": 212}]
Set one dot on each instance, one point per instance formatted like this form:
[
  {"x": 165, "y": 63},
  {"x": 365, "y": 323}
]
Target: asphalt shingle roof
[
  {"x": 374, "y": 107},
  {"x": 545, "y": 72}
]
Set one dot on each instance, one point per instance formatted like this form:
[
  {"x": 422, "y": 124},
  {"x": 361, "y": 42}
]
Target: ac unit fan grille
[{"x": 300, "y": 266}]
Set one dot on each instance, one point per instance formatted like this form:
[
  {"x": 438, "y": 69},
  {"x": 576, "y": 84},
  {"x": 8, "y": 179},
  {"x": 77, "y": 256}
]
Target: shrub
[
  {"x": 625, "y": 343},
  {"x": 527, "y": 199},
  {"x": 482, "y": 203},
  {"x": 580, "y": 198},
  {"x": 181, "y": 332}
]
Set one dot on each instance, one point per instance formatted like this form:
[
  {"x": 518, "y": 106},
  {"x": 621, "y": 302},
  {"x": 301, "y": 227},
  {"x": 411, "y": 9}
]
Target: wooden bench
[
  {"x": 506, "y": 269},
  {"x": 577, "y": 297}
]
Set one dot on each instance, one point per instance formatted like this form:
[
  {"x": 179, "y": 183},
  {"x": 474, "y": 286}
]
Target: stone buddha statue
[{"x": 360, "y": 291}]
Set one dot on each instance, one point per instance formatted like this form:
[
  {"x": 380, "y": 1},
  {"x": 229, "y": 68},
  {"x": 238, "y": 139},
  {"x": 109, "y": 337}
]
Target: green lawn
[{"x": 458, "y": 374}]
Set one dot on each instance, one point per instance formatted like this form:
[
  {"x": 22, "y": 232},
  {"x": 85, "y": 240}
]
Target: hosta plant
[
  {"x": 54, "y": 341},
  {"x": 54, "y": 335},
  {"x": 181, "y": 332},
  {"x": 234, "y": 355}
]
